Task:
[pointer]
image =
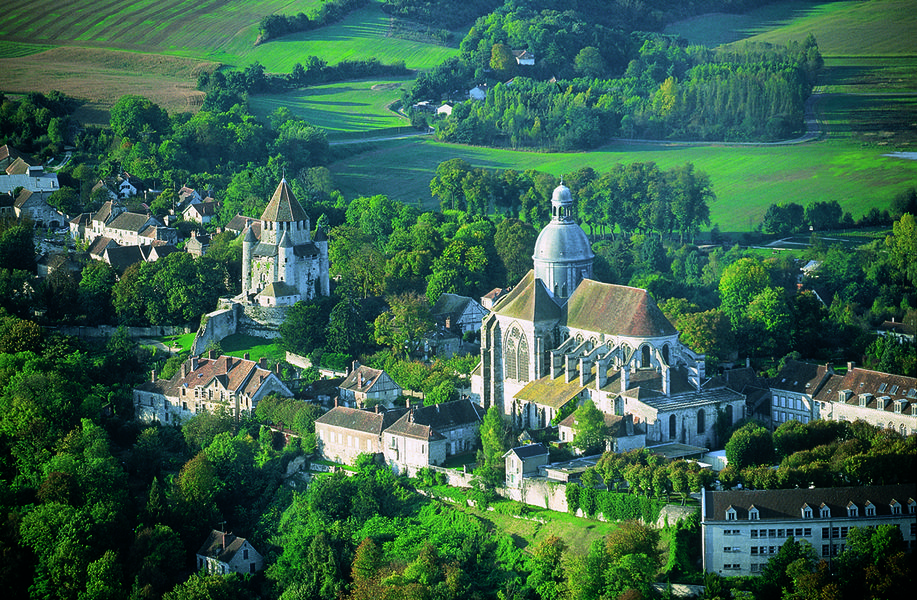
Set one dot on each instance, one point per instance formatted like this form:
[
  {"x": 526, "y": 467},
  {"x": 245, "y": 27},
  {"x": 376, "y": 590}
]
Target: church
[
  {"x": 281, "y": 263},
  {"x": 560, "y": 337}
]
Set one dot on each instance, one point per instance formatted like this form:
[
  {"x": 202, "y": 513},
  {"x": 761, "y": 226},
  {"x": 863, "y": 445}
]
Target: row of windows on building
[
  {"x": 824, "y": 511},
  {"x": 336, "y": 437}
]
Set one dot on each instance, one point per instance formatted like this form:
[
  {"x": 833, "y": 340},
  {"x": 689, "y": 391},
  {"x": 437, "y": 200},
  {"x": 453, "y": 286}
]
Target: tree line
[{"x": 275, "y": 26}]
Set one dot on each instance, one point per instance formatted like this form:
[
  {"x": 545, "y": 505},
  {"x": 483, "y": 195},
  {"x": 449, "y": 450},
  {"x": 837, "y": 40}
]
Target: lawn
[
  {"x": 238, "y": 344},
  {"x": 340, "y": 108}
]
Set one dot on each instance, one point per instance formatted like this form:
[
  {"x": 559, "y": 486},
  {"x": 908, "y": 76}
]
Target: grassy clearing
[
  {"x": 182, "y": 341},
  {"x": 257, "y": 348},
  {"x": 353, "y": 106},
  {"x": 876, "y": 27}
]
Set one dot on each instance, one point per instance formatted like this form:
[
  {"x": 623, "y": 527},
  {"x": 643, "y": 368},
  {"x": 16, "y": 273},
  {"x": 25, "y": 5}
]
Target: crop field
[{"x": 341, "y": 108}]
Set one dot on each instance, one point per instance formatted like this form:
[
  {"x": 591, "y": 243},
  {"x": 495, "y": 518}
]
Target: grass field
[
  {"x": 238, "y": 344},
  {"x": 871, "y": 28},
  {"x": 353, "y": 106}
]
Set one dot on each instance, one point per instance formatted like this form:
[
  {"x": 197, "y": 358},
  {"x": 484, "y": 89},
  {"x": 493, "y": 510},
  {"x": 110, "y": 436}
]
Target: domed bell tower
[{"x": 563, "y": 255}]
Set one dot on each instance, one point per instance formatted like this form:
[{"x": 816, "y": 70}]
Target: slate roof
[
  {"x": 82, "y": 219},
  {"x": 214, "y": 547},
  {"x": 551, "y": 392},
  {"x": 449, "y": 415},
  {"x": 361, "y": 379},
  {"x": 104, "y": 213},
  {"x": 449, "y": 305},
  {"x": 121, "y": 257},
  {"x": 204, "y": 209},
  {"x": 788, "y": 504},
  {"x": 239, "y": 222},
  {"x": 527, "y": 451},
  {"x": 879, "y": 385},
  {"x": 156, "y": 251},
  {"x": 129, "y": 221},
  {"x": 801, "y": 377},
  {"x": 616, "y": 310},
  {"x": 406, "y": 427},
  {"x": 283, "y": 206},
  {"x": 308, "y": 250},
  {"x": 367, "y": 421},
  {"x": 530, "y": 301},
  {"x": 98, "y": 245}
]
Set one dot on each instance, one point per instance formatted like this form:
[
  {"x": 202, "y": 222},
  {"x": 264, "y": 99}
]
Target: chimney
[
  {"x": 246, "y": 356},
  {"x": 184, "y": 370},
  {"x": 193, "y": 363},
  {"x": 377, "y": 409},
  {"x": 336, "y": 398},
  {"x": 411, "y": 415},
  {"x": 851, "y": 365},
  {"x": 211, "y": 354},
  {"x": 666, "y": 380},
  {"x": 153, "y": 376},
  {"x": 262, "y": 362}
]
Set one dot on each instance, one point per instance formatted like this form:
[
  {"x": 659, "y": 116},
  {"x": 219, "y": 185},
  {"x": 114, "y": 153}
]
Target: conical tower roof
[{"x": 283, "y": 207}]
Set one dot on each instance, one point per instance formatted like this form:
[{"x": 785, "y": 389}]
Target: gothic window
[
  {"x": 665, "y": 354},
  {"x": 673, "y": 427},
  {"x": 701, "y": 424},
  {"x": 522, "y": 362},
  {"x": 510, "y": 355},
  {"x": 645, "y": 358}
]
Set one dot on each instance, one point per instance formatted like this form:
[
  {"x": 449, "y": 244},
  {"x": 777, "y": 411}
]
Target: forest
[{"x": 596, "y": 78}]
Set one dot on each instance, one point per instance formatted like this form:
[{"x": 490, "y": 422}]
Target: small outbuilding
[{"x": 523, "y": 461}]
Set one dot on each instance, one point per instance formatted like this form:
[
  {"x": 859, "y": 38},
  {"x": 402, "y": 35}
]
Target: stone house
[
  {"x": 34, "y": 206},
  {"x": 524, "y": 58},
  {"x": 428, "y": 435},
  {"x": 524, "y": 461},
  {"x": 440, "y": 342},
  {"x": 793, "y": 391},
  {"x": 201, "y": 212},
  {"x": 344, "y": 433},
  {"x": 224, "y": 553},
  {"x": 458, "y": 313},
  {"x": 8, "y": 156},
  {"x": 742, "y": 529},
  {"x": 881, "y": 399},
  {"x": 207, "y": 384},
  {"x": 197, "y": 244},
  {"x": 365, "y": 387}
]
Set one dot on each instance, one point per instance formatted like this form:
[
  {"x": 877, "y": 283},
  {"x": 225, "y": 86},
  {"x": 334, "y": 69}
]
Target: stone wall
[
  {"x": 540, "y": 492},
  {"x": 216, "y": 326},
  {"x": 106, "y": 331},
  {"x": 262, "y": 321}
]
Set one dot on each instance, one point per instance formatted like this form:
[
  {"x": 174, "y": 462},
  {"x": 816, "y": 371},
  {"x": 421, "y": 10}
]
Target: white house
[
  {"x": 365, "y": 387},
  {"x": 523, "y": 461}
]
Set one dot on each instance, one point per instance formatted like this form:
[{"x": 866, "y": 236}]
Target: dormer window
[
  {"x": 824, "y": 512},
  {"x": 896, "y": 507},
  {"x": 852, "y": 510},
  {"x": 865, "y": 399},
  {"x": 730, "y": 514},
  {"x": 870, "y": 509},
  {"x": 911, "y": 506},
  {"x": 806, "y": 511},
  {"x": 899, "y": 406},
  {"x": 753, "y": 514}
]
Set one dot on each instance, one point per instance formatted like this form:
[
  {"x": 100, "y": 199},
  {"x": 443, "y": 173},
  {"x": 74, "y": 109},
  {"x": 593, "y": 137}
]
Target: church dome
[{"x": 562, "y": 240}]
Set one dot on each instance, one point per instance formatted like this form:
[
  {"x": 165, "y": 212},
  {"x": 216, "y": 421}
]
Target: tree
[
  {"x": 447, "y": 184},
  {"x": 740, "y": 283},
  {"x": 589, "y": 63},
  {"x": 546, "y": 568},
  {"x": 502, "y": 59},
  {"x": 347, "y": 330},
  {"x": 303, "y": 328},
  {"x": 491, "y": 467},
  {"x": 67, "y": 200},
  {"x": 513, "y": 243},
  {"x": 97, "y": 280},
  {"x": 136, "y": 118},
  {"x": 902, "y": 245},
  {"x": 402, "y": 327},
  {"x": 749, "y": 445},
  {"x": 589, "y": 424}
]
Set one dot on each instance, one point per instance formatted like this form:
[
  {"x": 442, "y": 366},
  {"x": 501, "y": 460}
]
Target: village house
[
  {"x": 129, "y": 186},
  {"x": 9, "y": 154},
  {"x": 365, "y": 387},
  {"x": 524, "y": 461},
  {"x": 208, "y": 384},
  {"x": 428, "y": 435},
  {"x": 197, "y": 244},
  {"x": 343, "y": 433},
  {"x": 34, "y": 206},
  {"x": 224, "y": 553},
  {"x": 524, "y": 58},
  {"x": 793, "y": 391},
  {"x": 478, "y": 92},
  {"x": 201, "y": 212},
  {"x": 440, "y": 342},
  {"x": 882, "y": 399},
  {"x": 458, "y": 314},
  {"x": 742, "y": 529}
]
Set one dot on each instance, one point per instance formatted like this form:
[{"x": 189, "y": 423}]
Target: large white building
[
  {"x": 559, "y": 337},
  {"x": 742, "y": 529},
  {"x": 281, "y": 263}
]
